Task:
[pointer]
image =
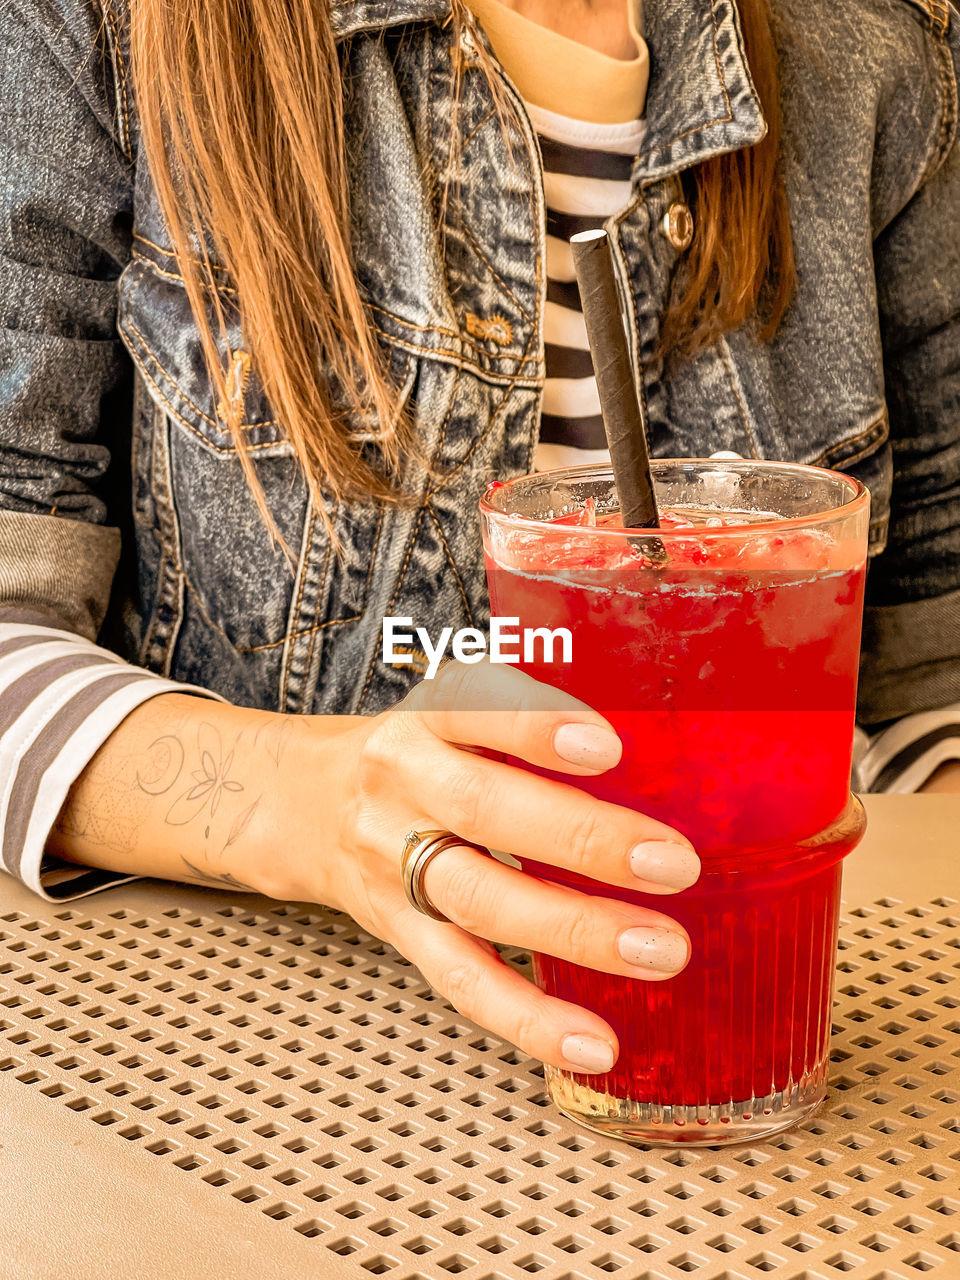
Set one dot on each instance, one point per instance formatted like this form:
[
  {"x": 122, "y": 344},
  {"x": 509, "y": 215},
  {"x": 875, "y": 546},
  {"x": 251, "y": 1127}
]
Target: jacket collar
[
  {"x": 701, "y": 100},
  {"x": 350, "y": 17}
]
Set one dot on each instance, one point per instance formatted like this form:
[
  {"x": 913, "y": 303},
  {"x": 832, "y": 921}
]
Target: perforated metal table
[{"x": 212, "y": 1085}]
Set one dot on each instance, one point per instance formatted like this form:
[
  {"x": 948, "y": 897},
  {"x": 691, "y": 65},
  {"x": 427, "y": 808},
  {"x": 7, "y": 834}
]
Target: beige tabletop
[{"x": 196, "y": 1084}]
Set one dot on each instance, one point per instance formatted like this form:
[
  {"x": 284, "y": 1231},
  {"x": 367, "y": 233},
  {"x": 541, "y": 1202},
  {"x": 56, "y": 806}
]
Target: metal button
[{"x": 677, "y": 225}]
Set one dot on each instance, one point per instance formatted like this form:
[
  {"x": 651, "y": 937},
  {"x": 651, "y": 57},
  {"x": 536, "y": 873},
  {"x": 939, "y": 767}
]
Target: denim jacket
[{"x": 107, "y": 416}]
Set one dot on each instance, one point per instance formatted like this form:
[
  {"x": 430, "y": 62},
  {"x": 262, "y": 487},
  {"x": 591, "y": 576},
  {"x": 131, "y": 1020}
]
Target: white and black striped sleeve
[
  {"x": 61, "y": 696},
  {"x": 902, "y": 757}
]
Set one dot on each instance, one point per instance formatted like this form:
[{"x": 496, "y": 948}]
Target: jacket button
[{"x": 677, "y": 226}]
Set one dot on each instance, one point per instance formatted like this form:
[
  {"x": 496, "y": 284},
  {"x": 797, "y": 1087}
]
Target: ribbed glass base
[{"x": 659, "y": 1124}]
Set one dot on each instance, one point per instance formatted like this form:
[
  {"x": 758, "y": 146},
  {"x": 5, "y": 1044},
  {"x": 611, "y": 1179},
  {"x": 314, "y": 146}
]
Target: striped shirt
[
  {"x": 586, "y": 179},
  {"x": 61, "y": 697}
]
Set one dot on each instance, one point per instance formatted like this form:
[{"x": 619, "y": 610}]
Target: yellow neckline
[{"x": 562, "y": 75}]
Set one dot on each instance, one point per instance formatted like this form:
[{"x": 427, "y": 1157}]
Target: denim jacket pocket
[
  {"x": 225, "y": 591},
  {"x": 156, "y": 327}
]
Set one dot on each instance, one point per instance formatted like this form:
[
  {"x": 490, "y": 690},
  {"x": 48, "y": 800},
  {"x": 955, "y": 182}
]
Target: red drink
[{"x": 729, "y": 671}]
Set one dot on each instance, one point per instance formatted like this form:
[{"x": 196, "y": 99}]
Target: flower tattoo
[{"x": 210, "y": 781}]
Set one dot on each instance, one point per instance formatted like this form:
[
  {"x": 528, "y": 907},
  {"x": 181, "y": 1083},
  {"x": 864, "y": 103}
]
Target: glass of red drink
[{"x": 724, "y": 650}]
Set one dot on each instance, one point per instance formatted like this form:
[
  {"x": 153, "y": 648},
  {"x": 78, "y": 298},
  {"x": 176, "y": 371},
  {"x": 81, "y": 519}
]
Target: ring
[{"x": 419, "y": 850}]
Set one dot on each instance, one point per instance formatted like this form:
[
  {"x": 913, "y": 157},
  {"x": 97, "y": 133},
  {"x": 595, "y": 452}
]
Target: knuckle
[
  {"x": 419, "y": 697},
  {"x": 364, "y": 825},
  {"x": 577, "y": 936},
  {"x": 464, "y": 899},
  {"x": 448, "y": 685},
  {"x": 467, "y": 796},
  {"x": 459, "y": 984},
  {"x": 384, "y": 748},
  {"x": 526, "y": 1030},
  {"x": 377, "y": 750},
  {"x": 586, "y": 840}
]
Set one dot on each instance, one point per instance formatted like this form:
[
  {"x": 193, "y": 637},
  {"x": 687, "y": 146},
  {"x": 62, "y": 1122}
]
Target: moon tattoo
[{"x": 164, "y": 763}]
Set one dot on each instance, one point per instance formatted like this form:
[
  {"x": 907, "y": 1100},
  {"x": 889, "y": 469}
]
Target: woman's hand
[
  {"x": 317, "y": 807},
  {"x": 420, "y": 767}
]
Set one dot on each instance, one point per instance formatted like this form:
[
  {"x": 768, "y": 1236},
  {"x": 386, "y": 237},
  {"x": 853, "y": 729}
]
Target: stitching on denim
[
  {"x": 875, "y": 433},
  {"x": 305, "y": 569},
  {"x": 169, "y": 408},
  {"x": 121, "y": 79},
  {"x": 535, "y": 323},
  {"x": 938, "y": 21},
  {"x": 939, "y": 16},
  {"x": 443, "y": 429},
  {"x": 462, "y": 338},
  {"x": 458, "y": 361},
  {"x": 493, "y": 271},
  {"x": 331, "y": 622},
  {"x": 325, "y": 569},
  {"x": 454, "y": 357},
  {"x": 246, "y": 426},
  {"x": 170, "y": 576},
  {"x": 373, "y": 554},
  {"x": 171, "y": 275},
  {"x": 948, "y": 109},
  {"x": 867, "y": 450},
  {"x": 149, "y": 634},
  {"x": 734, "y": 386},
  {"x": 298, "y": 635},
  {"x": 169, "y": 253},
  {"x": 726, "y": 97},
  {"x": 498, "y": 407},
  {"x": 617, "y": 247},
  {"x": 508, "y": 390},
  {"x": 452, "y": 563},
  {"x": 497, "y": 410},
  {"x": 393, "y": 599},
  {"x": 371, "y": 306},
  {"x": 522, "y": 359},
  {"x": 409, "y": 324}
]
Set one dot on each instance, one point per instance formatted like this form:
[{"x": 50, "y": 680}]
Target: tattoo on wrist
[
  {"x": 221, "y": 878},
  {"x": 208, "y": 784},
  {"x": 163, "y": 765},
  {"x": 272, "y": 735},
  {"x": 192, "y": 774}
]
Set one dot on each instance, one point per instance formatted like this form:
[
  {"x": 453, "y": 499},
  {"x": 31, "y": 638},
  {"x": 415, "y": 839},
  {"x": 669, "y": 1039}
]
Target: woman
[{"x": 207, "y": 204}]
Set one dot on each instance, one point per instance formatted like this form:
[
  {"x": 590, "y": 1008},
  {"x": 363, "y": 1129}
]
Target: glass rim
[{"x": 859, "y": 498}]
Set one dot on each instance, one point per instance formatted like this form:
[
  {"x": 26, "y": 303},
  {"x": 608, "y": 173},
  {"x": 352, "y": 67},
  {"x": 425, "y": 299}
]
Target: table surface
[{"x": 221, "y": 1086}]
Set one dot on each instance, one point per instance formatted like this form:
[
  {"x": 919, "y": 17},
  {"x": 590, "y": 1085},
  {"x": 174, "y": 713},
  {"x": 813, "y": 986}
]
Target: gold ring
[{"x": 419, "y": 850}]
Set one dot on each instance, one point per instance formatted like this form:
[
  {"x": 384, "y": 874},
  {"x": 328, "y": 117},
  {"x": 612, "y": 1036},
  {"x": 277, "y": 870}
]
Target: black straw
[{"x": 619, "y": 402}]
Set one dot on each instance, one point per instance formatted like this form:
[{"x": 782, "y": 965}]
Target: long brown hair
[
  {"x": 740, "y": 263},
  {"x": 240, "y": 105}
]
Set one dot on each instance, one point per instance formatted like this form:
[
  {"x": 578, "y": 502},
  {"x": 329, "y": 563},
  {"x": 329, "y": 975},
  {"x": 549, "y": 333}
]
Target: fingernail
[
  {"x": 659, "y": 949},
  {"x": 587, "y": 1053},
  {"x": 589, "y": 745},
  {"x": 675, "y": 866}
]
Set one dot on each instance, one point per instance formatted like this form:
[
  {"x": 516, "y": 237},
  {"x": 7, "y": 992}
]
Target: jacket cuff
[
  {"x": 911, "y": 658},
  {"x": 61, "y": 697},
  {"x": 62, "y": 568},
  {"x": 51, "y": 878}
]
